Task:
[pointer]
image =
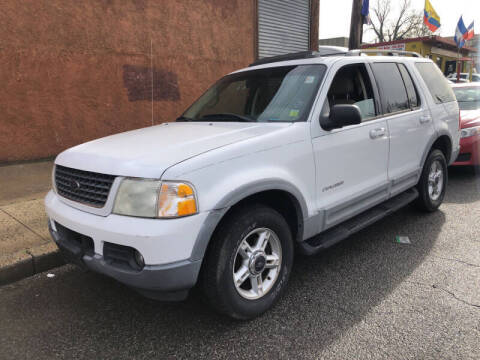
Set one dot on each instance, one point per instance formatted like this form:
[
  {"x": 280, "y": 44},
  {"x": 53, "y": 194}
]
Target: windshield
[
  {"x": 468, "y": 97},
  {"x": 272, "y": 94}
]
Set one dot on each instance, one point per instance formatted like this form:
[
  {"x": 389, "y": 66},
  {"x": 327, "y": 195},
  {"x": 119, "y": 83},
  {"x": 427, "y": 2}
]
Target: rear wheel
[
  {"x": 249, "y": 261},
  {"x": 433, "y": 182}
]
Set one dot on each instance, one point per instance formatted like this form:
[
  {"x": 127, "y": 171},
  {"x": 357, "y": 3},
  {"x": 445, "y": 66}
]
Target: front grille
[
  {"x": 464, "y": 157},
  {"x": 86, "y": 187}
]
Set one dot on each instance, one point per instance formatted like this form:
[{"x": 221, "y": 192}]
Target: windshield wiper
[
  {"x": 184, "y": 118},
  {"x": 226, "y": 117}
]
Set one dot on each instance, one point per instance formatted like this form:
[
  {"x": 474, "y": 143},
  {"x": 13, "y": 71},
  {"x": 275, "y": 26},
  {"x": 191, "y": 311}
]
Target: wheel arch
[
  {"x": 278, "y": 194},
  {"x": 442, "y": 142}
]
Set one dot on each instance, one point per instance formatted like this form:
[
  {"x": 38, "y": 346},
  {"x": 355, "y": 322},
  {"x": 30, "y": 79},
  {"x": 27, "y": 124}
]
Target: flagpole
[
  {"x": 458, "y": 64},
  {"x": 356, "y": 26}
]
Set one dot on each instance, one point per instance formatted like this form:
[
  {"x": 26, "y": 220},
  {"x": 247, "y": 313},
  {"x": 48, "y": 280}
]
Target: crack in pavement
[
  {"x": 451, "y": 293},
  {"x": 25, "y": 225},
  {"x": 457, "y": 260}
]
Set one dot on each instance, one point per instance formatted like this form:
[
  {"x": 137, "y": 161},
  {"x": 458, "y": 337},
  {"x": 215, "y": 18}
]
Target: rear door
[
  {"x": 442, "y": 102},
  {"x": 409, "y": 123},
  {"x": 351, "y": 162}
]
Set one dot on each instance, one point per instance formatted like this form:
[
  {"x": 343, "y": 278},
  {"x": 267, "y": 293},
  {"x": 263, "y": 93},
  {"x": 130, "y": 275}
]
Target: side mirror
[{"x": 340, "y": 116}]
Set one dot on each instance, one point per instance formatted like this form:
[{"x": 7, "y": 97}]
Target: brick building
[{"x": 78, "y": 70}]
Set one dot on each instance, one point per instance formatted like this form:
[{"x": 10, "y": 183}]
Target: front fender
[
  {"x": 235, "y": 196},
  {"x": 261, "y": 185}
]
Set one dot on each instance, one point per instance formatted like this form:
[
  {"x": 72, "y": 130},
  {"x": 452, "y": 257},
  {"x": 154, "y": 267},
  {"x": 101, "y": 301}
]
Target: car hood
[
  {"x": 148, "y": 152},
  {"x": 469, "y": 118}
]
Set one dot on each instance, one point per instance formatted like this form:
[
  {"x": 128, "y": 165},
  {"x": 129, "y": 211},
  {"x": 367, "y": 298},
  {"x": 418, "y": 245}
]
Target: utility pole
[{"x": 356, "y": 26}]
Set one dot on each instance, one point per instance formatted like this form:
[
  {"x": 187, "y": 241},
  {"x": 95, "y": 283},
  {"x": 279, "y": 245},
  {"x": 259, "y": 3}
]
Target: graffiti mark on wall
[{"x": 141, "y": 86}]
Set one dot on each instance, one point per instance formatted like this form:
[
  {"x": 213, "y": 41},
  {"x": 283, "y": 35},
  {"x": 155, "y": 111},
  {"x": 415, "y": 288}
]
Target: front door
[{"x": 351, "y": 162}]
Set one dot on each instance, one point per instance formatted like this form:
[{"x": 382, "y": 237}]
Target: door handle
[
  {"x": 425, "y": 119},
  {"x": 377, "y": 133}
]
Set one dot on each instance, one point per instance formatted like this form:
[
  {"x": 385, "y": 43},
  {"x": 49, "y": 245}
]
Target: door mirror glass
[{"x": 340, "y": 116}]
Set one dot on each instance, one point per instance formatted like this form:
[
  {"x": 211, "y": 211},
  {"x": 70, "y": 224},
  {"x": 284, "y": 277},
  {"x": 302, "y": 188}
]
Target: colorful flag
[
  {"x": 365, "y": 12},
  {"x": 430, "y": 17},
  {"x": 460, "y": 32},
  {"x": 469, "y": 34}
]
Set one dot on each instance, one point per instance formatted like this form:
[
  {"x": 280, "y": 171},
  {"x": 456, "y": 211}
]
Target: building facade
[
  {"x": 443, "y": 51},
  {"x": 336, "y": 41},
  {"x": 73, "y": 71}
]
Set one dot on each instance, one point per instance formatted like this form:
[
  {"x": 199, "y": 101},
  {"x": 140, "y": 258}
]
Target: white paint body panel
[
  {"x": 353, "y": 163},
  {"x": 284, "y": 155},
  {"x": 160, "y": 241},
  {"x": 149, "y": 151}
]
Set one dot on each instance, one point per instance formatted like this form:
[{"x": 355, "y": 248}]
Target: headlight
[
  {"x": 467, "y": 132},
  {"x": 137, "y": 198},
  {"x": 152, "y": 198}
]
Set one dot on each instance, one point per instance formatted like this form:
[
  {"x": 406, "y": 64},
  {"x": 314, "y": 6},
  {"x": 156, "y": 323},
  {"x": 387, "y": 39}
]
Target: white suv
[{"x": 290, "y": 154}]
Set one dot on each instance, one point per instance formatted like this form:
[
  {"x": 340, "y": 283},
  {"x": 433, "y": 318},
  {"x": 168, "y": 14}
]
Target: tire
[
  {"x": 431, "y": 192},
  {"x": 225, "y": 259}
]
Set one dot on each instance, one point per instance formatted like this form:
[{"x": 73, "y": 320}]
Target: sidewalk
[{"x": 25, "y": 244}]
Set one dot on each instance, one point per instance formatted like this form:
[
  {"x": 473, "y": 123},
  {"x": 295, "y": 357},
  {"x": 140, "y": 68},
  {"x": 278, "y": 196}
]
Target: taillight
[{"x": 459, "y": 120}]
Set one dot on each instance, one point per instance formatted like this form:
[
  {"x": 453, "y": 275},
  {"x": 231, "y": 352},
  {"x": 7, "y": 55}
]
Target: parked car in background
[
  {"x": 293, "y": 153},
  {"x": 468, "y": 97},
  {"x": 464, "y": 77}
]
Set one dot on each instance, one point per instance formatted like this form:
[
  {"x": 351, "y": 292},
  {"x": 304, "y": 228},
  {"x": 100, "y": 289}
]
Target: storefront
[{"x": 442, "y": 51}]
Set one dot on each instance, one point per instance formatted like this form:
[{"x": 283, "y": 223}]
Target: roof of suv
[{"x": 312, "y": 57}]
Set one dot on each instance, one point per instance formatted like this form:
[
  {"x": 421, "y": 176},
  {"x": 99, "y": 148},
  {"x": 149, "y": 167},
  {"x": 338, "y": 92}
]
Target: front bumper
[
  {"x": 166, "y": 246},
  {"x": 469, "y": 152}
]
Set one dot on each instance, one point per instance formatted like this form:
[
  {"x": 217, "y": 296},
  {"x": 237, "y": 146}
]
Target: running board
[{"x": 340, "y": 232}]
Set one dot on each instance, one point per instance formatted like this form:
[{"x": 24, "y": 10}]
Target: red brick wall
[{"x": 72, "y": 71}]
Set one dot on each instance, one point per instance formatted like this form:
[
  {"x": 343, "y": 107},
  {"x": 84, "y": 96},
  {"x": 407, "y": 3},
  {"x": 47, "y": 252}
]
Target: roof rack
[
  {"x": 383, "y": 52},
  {"x": 324, "y": 51}
]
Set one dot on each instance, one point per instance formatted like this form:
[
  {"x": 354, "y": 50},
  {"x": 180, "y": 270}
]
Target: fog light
[{"x": 139, "y": 259}]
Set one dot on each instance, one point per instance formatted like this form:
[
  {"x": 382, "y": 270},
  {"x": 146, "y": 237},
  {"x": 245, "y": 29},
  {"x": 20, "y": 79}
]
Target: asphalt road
[{"x": 368, "y": 297}]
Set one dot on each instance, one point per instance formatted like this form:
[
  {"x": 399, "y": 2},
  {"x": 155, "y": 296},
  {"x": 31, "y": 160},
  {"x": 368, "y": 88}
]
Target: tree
[{"x": 388, "y": 27}]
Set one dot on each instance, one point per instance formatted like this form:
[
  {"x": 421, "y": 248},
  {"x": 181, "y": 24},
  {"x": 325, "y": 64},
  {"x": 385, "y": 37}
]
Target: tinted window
[
  {"x": 436, "y": 83},
  {"x": 411, "y": 91},
  {"x": 273, "y": 94},
  {"x": 391, "y": 87},
  {"x": 351, "y": 86}
]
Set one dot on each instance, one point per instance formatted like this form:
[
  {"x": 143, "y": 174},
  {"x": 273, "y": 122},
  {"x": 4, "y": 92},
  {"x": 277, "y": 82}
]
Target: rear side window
[
  {"x": 436, "y": 83},
  {"x": 392, "y": 90},
  {"x": 411, "y": 91}
]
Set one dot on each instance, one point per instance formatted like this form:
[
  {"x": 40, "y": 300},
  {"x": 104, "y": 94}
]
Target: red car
[{"x": 468, "y": 97}]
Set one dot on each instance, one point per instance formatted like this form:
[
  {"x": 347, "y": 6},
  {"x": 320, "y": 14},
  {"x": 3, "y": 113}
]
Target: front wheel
[
  {"x": 433, "y": 182},
  {"x": 249, "y": 262}
]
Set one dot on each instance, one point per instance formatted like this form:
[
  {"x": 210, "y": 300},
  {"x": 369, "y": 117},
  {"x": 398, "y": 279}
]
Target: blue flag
[
  {"x": 460, "y": 32},
  {"x": 365, "y": 12}
]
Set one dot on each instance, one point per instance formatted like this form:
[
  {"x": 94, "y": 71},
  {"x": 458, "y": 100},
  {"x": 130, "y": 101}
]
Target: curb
[{"x": 29, "y": 262}]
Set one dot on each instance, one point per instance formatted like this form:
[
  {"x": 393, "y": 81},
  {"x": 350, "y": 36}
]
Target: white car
[
  {"x": 292, "y": 153},
  {"x": 464, "y": 77}
]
